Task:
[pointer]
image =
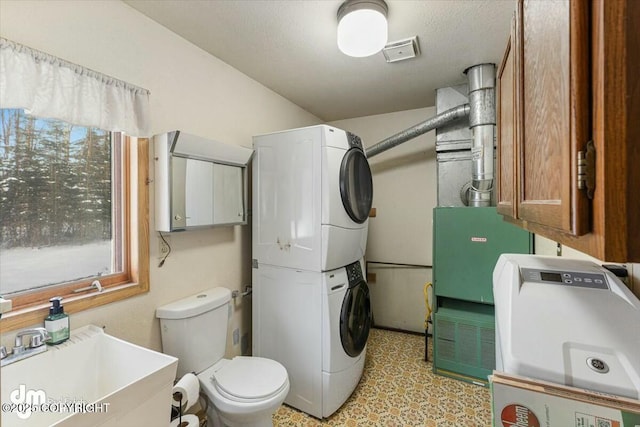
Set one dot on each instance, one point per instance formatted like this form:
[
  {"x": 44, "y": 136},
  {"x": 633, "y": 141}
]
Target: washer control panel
[
  {"x": 566, "y": 278},
  {"x": 354, "y": 273}
]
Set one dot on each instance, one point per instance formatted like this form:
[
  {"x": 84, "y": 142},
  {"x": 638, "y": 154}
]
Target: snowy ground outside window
[{"x": 26, "y": 268}]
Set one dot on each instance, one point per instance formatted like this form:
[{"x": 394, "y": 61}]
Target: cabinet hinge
[{"x": 587, "y": 169}]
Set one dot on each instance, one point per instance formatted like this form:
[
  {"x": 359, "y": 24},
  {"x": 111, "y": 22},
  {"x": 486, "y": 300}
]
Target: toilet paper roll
[
  {"x": 188, "y": 387},
  {"x": 188, "y": 420}
]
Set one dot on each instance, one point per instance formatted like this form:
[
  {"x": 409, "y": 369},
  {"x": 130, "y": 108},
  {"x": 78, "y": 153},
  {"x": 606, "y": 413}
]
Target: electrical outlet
[{"x": 164, "y": 245}]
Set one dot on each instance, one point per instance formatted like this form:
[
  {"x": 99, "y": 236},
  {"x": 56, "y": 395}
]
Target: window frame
[{"x": 33, "y": 306}]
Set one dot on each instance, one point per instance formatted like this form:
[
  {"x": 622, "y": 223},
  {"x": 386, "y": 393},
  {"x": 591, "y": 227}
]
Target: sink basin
[{"x": 93, "y": 379}]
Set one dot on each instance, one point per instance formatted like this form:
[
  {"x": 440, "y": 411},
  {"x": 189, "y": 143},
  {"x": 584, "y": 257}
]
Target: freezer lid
[{"x": 567, "y": 321}]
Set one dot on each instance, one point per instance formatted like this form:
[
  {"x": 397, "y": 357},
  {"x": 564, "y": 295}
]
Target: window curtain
[{"x": 50, "y": 87}]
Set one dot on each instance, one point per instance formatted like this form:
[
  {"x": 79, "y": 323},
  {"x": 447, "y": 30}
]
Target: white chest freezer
[{"x": 566, "y": 321}]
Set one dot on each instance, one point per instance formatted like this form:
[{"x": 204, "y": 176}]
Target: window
[
  {"x": 60, "y": 188},
  {"x": 71, "y": 212}
]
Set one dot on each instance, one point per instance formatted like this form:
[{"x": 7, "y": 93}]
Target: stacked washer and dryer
[{"x": 312, "y": 193}]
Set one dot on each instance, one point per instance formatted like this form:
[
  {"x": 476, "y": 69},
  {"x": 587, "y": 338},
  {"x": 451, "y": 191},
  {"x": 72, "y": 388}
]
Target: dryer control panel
[{"x": 354, "y": 141}]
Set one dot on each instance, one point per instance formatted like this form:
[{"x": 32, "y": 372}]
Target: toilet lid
[{"x": 250, "y": 377}]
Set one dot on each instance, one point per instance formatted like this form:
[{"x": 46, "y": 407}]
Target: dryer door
[
  {"x": 355, "y": 315},
  {"x": 356, "y": 185}
]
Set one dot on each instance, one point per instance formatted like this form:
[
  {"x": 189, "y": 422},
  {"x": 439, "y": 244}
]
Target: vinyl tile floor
[{"x": 398, "y": 388}]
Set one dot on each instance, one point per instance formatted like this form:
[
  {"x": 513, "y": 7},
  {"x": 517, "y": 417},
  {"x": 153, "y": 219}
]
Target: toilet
[{"x": 243, "y": 391}]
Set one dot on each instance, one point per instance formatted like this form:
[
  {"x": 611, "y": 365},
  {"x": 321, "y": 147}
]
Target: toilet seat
[{"x": 250, "y": 379}]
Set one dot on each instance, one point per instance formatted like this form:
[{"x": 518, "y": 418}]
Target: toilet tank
[{"x": 194, "y": 329}]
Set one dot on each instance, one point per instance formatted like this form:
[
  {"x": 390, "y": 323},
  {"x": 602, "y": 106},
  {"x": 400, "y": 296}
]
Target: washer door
[
  {"x": 356, "y": 185},
  {"x": 355, "y": 318}
]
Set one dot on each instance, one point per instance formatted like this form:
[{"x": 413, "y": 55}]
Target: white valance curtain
[{"x": 50, "y": 87}]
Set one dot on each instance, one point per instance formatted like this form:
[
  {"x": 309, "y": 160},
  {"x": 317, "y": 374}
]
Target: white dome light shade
[{"x": 362, "y": 28}]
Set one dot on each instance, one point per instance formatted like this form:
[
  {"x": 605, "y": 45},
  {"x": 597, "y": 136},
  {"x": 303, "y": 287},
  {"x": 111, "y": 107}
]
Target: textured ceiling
[{"x": 290, "y": 47}]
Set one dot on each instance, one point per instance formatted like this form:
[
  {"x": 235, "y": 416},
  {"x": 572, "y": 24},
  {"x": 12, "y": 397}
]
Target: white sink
[{"x": 121, "y": 383}]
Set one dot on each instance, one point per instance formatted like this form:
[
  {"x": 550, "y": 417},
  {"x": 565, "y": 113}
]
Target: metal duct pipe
[
  {"x": 417, "y": 130},
  {"x": 482, "y": 120}
]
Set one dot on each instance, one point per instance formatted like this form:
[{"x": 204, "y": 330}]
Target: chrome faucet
[
  {"x": 21, "y": 351},
  {"x": 38, "y": 338}
]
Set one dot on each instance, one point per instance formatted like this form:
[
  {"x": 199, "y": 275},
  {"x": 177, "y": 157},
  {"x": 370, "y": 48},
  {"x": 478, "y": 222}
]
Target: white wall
[
  {"x": 404, "y": 195},
  {"x": 398, "y": 297},
  {"x": 190, "y": 91}
]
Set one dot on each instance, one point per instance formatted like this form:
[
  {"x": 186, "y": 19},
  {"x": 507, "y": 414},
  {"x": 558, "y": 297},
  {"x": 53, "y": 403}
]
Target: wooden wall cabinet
[
  {"x": 569, "y": 81},
  {"x": 506, "y": 101}
]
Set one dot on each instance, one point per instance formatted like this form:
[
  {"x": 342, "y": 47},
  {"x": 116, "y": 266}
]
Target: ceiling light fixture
[{"x": 362, "y": 27}]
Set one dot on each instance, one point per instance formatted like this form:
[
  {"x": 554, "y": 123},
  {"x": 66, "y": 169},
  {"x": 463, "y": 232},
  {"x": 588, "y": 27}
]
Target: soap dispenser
[{"x": 57, "y": 322}]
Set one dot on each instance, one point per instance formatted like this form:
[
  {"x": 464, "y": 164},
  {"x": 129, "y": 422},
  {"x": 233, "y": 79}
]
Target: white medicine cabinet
[{"x": 199, "y": 182}]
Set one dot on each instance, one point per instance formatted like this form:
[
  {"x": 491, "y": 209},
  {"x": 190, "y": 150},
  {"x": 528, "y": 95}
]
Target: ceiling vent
[{"x": 401, "y": 49}]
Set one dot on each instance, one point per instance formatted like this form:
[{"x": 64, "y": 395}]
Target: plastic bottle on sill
[{"x": 57, "y": 322}]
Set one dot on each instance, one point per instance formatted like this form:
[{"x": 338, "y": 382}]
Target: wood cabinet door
[
  {"x": 555, "y": 113},
  {"x": 506, "y": 129}
]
